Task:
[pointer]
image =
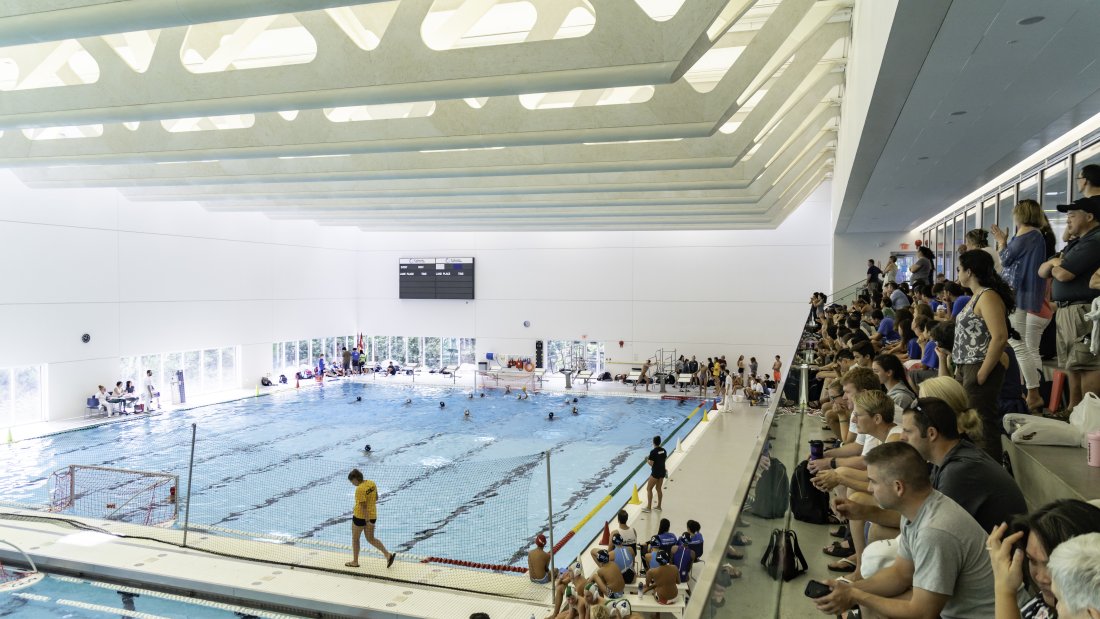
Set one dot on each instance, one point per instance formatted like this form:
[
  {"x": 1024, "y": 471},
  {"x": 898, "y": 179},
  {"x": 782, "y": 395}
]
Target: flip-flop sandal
[
  {"x": 842, "y": 532},
  {"x": 389, "y": 562},
  {"x": 837, "y": 549},
  {"x": 733, "y": 571},
  {"x": 735, "y": 554},
  {"x": 739, "y": 539},
  {"x": 350, "y": 564},
  {"x": 844, "y": 566}
]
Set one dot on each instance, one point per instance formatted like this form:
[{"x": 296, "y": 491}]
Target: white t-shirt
[
  {"x": 629, "y": 535},
  {"x": 873, "y": 442}
]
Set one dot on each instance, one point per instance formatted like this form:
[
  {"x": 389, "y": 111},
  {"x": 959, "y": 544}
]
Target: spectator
[
  {"x": 929, "y": 361},
  {"x": 884, "y": 328},
  {"x": 874, "y": 284},
  {"x": 627, "y": 532},
  {"x": 890, "y": 273},
  {"x": 777, "y": 368},
  {"x": 1070, "y": 290},
  {"x": 949, "y": 390},
  {"x": 920, "y": 272},
  {"x": 607, "y": 577},
  {"x": 1022, "y": 557},
  {"x": 890, "y": 372},
  {"x": 898, "y": 299},
  {"x": 981, "y": 333},
  {"x": 941, "y": 553},
  {"x": 1075, "y": 577},
  {"x": 1022, "y": 257},
  {"x": 753, "y": 366},
  {"x": 955, "y": 296},
  {"x": 979, "y": 239}
]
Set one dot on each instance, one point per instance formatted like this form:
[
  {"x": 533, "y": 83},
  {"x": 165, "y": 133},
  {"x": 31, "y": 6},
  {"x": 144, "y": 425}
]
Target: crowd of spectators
[{"x": 913, "y": 381}]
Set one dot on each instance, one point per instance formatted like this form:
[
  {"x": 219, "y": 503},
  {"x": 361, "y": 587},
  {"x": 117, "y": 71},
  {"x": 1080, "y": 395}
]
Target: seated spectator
[
  {"x": 607, "y": 577},
  {"x": 629, "y": 535},
  {"x": 898, "y": 299},
  {"x": 890, "y": 372},
  {"x": 538, "y": 561},
  {"x": 623, "y": 556},
  {"x": 1022, "y": 557},
  {"x": 102, "y": 395},
  {"x": 1075, "y": 577},
  {"x": 955, "y": 297},
  {"x": 941, "y": 553},
  {"x": 694, "y": 538},
  {"x": 884, "y": 328},
  {"x": 663, "y": 541}
]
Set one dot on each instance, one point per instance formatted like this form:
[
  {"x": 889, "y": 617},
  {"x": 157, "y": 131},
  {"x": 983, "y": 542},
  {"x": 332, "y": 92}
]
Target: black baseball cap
[{"x": 1089, "y": 205}]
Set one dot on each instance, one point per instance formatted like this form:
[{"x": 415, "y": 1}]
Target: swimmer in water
[
  {"x": 483, "y": 394},
  {"x": 466, "y": 413},
  {"x": 551, "y": 416},
  {"x": 507, "y": 389},
  {"x": 575, "y": 411},
  {"x": 366, "y": 448},
  {"x": 442, "y": 405},
  {"x": 358, "y": 398},
  {"x": 408, "y": 401},
  {"x": 471, "y": 396},
  {"x": 574, "y": 400}
]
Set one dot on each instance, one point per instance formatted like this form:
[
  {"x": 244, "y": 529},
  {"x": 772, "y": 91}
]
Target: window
[
  {"x": 397, "y": 349},
  {"x": 941, "y": 248},
  {"x": 989, "y": 212},
  {"x": 1028, "y": 189},
  {"x": 204, "y": 371},
  {"x": 22, "y": 394},
  {"x": 1056, "y": 191},
  {"x": 949, "y": 246},
  {"x": 413, "y": 349},
  {"x": 971, "y": 222},
  {"x": 1004, "y": 213},
  {"x": 468, "y": 350},
  {"x": 450, "y": 351},
  {"x": 433, "y": 352}
]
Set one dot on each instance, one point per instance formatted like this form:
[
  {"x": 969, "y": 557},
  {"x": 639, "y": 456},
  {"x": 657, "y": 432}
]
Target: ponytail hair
[
  {"x": 979, "y": 237},
  {"x": 980, "y": 265},
  {"x": 950, "y": 391}
]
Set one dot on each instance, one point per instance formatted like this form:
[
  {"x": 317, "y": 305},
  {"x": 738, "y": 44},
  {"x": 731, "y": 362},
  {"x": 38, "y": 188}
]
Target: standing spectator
[
  {"x": 874, "y": 284},
  {"x": 346, "y": 359},
  {"x": 355, "y": 356},
  {"x": 1070, "y": 290},
  {"x": 741, "y": 366},
  {"x": 777, "y": 368},
  {"x": 979, "y": 239},
  {"x": 920, "y": 272},
  {"x": 890, "y": 274},
  {"x": 1022, "y": 257},
  {"x": 981, "y": 334},
  {"x": 753, "y": 366}
]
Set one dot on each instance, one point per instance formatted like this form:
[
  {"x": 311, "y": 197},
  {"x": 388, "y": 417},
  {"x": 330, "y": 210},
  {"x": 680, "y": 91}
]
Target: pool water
[
  {"x": 56, "y": 597},
  {"x": 471, "y": 488}
]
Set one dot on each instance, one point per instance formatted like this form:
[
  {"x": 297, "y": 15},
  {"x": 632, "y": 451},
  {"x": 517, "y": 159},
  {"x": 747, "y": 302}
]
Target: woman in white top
[{"x": 979, "y": 239}]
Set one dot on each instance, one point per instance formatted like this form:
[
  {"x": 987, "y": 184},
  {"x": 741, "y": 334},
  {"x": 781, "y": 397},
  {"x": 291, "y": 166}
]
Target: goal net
[
  {"x": 510, "y": 380},
  {"x": 135, "y": 497}
]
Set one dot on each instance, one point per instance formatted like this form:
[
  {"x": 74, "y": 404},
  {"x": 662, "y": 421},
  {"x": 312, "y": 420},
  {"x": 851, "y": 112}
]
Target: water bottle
[
  {"x": 639, "y": 589},
  {"x": 1094, "y": 448}
]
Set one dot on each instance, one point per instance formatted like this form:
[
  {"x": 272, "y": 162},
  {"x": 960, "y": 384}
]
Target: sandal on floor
[
  {"x": 842, "y": 532},
  {"x": 837, "y": 549},
  {"x": 732, "y": 571},
  {"x": 844, "y": 566},
  {"x": 734, "y": 553},
  {"x": 739, "y": 539}
]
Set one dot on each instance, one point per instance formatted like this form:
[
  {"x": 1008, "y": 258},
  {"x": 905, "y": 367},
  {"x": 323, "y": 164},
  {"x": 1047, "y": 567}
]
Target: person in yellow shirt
[{"x": 363, "y": 518}]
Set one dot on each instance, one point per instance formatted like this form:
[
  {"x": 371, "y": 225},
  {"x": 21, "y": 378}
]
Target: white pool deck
[{"x": 706, "y": 477}]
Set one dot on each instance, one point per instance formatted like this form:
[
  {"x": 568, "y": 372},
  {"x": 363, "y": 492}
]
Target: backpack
[
  {"x": 808, "y": 504},
  {"x": 783, "y": 557},
  {"x": 771, "y": 491}
]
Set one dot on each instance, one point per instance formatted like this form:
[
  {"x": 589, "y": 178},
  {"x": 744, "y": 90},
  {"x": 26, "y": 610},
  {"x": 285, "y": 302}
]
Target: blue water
[
  {"x": 468, "y": 488},
  {"x": 50, "y": 599}
]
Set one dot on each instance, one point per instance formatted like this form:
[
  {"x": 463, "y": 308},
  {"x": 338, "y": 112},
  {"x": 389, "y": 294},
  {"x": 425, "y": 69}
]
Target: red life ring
[{"x": 529, "y": 367}]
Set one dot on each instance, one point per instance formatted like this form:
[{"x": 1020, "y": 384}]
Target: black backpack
[
  {"x": 771, "y": 491},
  {"x": 783, "y": 557},
  {"x": 808, "y": 504}
]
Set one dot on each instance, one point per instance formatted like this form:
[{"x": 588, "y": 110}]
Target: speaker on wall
[{"x": 538, "y": 354}]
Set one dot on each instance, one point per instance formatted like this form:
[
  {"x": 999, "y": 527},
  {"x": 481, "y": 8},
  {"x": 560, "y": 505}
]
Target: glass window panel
[
  {"x": 414, "y": 348},
  {"x": 468, "y": 347},
  {"x": 397, "y": 349},
  {"x": 6, "y": 397},
  {"x": 28, "y": 394},
  {"x": 151, "y": 362},
  {"x": 211, "y": 376},
  {"x": 303, "y": 354},
  {"x": 229, "y": 368},
  {"x": 989, "y": 212},
  {"x": 276, "y": 355},
  {"x": 594, "y": 356},
  {"x": 1087, "y": 156},
  {"x": 1056, "y": 191},
  {"x": 381, "y": 348},
  {"x": 1028, "y": 189},
  {"x": 1004, "y": 213},
  {"x": 971, "y": 222},
  {"x": 432, "y": 353},
  {"x": 941, "y": 247},
  {"x": 173, "y": 362},
  {"x": 192, "y": 371},
  {"x": 949, "y": 245},
  {"x": 316, "y": 349},
  {"x": 450, "y": 351},
  {"x": 128, "y": 369}
]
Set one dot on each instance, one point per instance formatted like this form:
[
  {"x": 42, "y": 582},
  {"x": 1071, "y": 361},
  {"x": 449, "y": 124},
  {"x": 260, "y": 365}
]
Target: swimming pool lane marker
[{"x": 634, "y": 498}]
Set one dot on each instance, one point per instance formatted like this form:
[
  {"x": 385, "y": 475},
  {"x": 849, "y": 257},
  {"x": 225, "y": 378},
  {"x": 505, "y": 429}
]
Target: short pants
[{"x": 360, "y": 522}]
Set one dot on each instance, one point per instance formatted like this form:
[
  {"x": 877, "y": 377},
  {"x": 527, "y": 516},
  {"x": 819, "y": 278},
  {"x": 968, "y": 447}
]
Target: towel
[{"x": 1094, "y": 317}]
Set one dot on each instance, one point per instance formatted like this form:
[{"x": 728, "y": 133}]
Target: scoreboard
[{"x": 436, "y": 278}]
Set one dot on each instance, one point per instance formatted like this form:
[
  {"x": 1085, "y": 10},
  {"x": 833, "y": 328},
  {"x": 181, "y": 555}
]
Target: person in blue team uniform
[
  {"x": 662, "y": 542},
  {"x": 321, "y": 365},
  {"x": 682, "y": 558},
  {"x": 355, "y": 359},
  {"x": 694, "y": 539}
]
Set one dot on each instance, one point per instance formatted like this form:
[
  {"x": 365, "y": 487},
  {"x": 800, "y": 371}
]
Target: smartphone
[{"x": 816, "y": 589}]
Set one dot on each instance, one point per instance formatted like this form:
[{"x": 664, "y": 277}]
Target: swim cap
[
  {"x": 569, "y": 591},
  {"x": 408, "y": 400},
  {"x": 685, "y": 538},
  {"x": 366, "y": 447},
  {"x": 662, "y": 558},
  {"x": 619, "y": 608},
  {"x": 466, "y": 412},
  {"x": 442, "y": 404},
  {"x": 592, "y": 591},
  {"x": 551, "y": 414},
  {"x": 602, "y": 556},
  {"x": 540, "y": 540},
  {"x": 655, "y": 541},
  {"x": 617, "y": 539}
]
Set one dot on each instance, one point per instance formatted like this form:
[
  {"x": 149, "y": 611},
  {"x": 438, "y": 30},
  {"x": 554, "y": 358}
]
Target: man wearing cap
[
  {"x": 538, "y": 561},
  {"x": 1071, "y": 270},
  {"x": 607, "y": 576}
]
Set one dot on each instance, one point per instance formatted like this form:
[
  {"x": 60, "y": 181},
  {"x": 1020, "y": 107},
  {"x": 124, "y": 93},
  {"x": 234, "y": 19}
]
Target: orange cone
[
  {"x": 714, "y": 405},
  {"x": 606, "y": 539}
]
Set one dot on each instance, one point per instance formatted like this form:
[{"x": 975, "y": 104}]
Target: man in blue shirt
[{"x": 884, "y": 328}]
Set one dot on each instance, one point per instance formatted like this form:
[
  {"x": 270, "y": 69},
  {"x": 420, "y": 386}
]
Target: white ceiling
[
  {"x": 974, "y": 93},
  {"x": 439, "y": 114}
]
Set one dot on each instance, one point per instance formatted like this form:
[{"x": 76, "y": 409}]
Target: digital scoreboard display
[{"x": 436, "y": 278}]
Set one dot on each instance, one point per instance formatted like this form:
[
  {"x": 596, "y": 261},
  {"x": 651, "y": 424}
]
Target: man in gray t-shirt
[{"x": 941, "y": 556}]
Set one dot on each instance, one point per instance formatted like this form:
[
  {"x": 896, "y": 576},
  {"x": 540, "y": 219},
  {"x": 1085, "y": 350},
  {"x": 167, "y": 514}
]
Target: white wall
[
  {"x": 703, "y": 293},
  {"x": 150, "y": 277},
  {"x": 871, "y": 23}
]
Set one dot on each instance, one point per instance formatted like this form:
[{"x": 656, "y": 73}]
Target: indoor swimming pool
[{"x": 274, "y": 468}]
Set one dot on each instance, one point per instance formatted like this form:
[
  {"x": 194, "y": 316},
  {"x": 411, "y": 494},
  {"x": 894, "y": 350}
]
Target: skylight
[
  {"x": 365, "y": 24},
  {"x": 585, "y": 98},
  {"x": 455, "y": 24},
  {"x": 267, "y": 41},
  {"x": 355, "y": 113},
  {"x": 46, "y": 65}
]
